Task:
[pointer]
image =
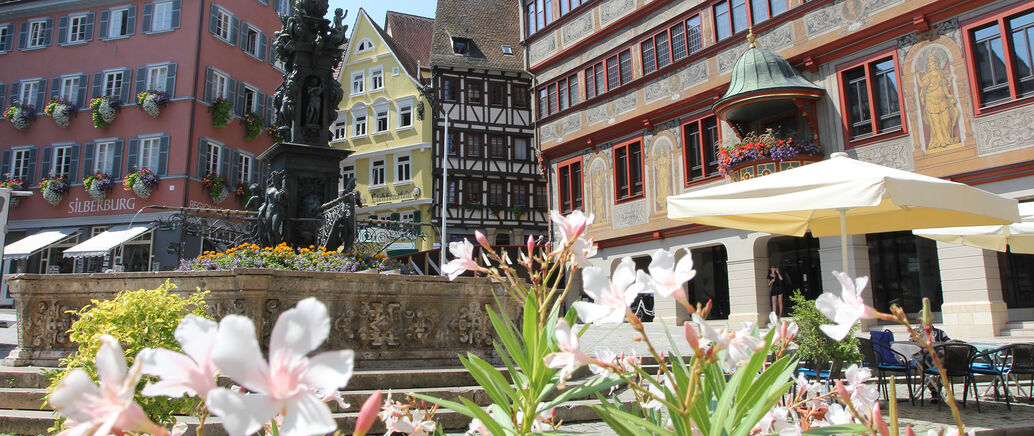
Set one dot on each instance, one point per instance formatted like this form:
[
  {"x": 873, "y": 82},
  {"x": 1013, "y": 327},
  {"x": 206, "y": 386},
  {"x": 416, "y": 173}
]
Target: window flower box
[{"x": 763, "y": 154}]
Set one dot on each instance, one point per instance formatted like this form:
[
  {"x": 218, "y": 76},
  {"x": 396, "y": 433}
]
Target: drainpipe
[{"x": 193, "y": 117}]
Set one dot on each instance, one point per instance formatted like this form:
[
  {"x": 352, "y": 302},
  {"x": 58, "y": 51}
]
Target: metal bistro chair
[
  {"x": 994, "y": 363},
  {"x": 874, "y": 353},
  {"x": 1022, "y": 364},
  {"x": 956, "y": 358}
]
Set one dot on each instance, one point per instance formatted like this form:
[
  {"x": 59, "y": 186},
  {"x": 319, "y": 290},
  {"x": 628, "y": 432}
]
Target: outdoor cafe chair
[
  {"x": 875, "y": 358},
  {"x": 956, "y": 357},
  {"x": 1022, "y": 363},
  {"x": 994, "y": 363}
]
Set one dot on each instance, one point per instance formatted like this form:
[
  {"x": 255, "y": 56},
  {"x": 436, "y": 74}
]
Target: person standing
[{"x": 775, "y": 288}]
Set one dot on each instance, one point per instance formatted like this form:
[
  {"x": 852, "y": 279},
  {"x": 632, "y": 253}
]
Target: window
[
  {"x": 212, "y": 156},
  {"x": 251, "y": 41},
  {"x": 364, "y": 45},
  {"x": 161, "y": 18},
  {"x": 250, "y": 100},
  {"x": 69, "y": 89},
  {"x": 382, "y": 120},
  {"x": 62, "y": 166},
  {"x": 156, "y": 77},
  {"x": 377, "y": 172},
  {"x": 5, "y": 37},
  {"x": 118, "y": 24},
  {"x": 699, "y": 148},
  {"x": 358, "y": 83},
  {"x": 376, "y": 79},
  {"x": 359, "y": 126},
  {"x": 77, "y": 29},
  {"x": 559, "y": 95},
  {"x": 871, "y": 97},
  {"x": 519, "y": 194},
  {"x": 540, "y": 14},
  {"x": 223, "y": 24},
  {"x": 449, "y": 88},
  {"x": 451, "y": 142},
  {"x": 543, "y": 102},
  {"x": 694, "y": 36},
  {"x": 473, "y": 91},
  {"x": 339, "y": 130},
  {"x": 520, "y": 149},
  {"x": 628, "y": 170},
  {"x": 507, "y": 50},
  {"x": 405, "y": 115},
  {"x": 347, "y": 172},
  {"x": 472, "y": 192},
  {"x": 113, "y": 84},
  {"x": 461, "y": 46},
  {"x": 727, "y": 23},
  {"x": 37, "y": 35},
  {"x": 402, "y": 169},
  {"x": 496, "y": 94},
  {"x": 21, "y": 161},
  {"x": 904, "y": 270},
  {"x": 220, "y": 85},
  {"x": 569, "y": 183},
  {"x": 473, "y": 145},
  {"x": 540, "y": 197},
  {"x": 520, "y": 96},
  {"x": 29, "y": 92},
  {"x": 104, "y": 160},
  {"x": 670, "y": 45},
  {"x": 595, "y": 81},
  {"x": 762, "y": 10},
  {"x": 454, "y": 192},
  {"x": 1002, "y": 51},
  {"x": 569, "y": 5},
  {"x": 244, "y": 163},
  {"x": 497, "y": 193},
  {"x": 497, "y": 146}
]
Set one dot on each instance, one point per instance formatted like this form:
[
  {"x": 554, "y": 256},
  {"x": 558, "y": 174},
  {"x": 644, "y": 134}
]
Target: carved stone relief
[
  {"x": 577, "y": 29},
  {"x": 1004, "y": 131},
  {"x": 692, "y": 75},
  {"x": 611, "y": 10},
  {"x": 542, "y": 49},
  {"x": 630, "y": 214},
  {"x": 727, "y": 59},
  {"x": 472, "y": 326},
  {"x": 598, "y": 183},
  {"x": 778, "y": 38},
  {"x": 851, "y": 14},
  {"x": 596, "y": 114},
  {"x": 894, "y": 154},
  {"x": 572, "y": 123},
  {"x": 548, "y": 131},
  {"x": 625, "y": 103},
  {"x": 657, "y": 90}
]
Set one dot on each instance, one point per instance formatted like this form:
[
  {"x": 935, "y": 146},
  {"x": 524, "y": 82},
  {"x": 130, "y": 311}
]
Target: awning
[
  {"x": 29, "y": 245},
  {"x": 99, "y": 245}
]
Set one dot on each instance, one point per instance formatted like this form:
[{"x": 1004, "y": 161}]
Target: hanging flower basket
[
  {"x": 61, "y": 111},
  {"x": 54, "y": 189},
  {"x": 274, "y": 132},
  {"x": 141, "y": 182},
  {"x": 243, "y": 194},
  {"x": 98, "y": 186},
  {"x": 216, "y": 187},
  {"x": 14, "y": 185},
  {"x": 152, "y": 102},
  {"x": 104, "y": 111},
  {"x": 252, "y": 126},
  {"x": 21, "y": 115},
  {"x": 221, "y": 112},
  {"x": 761, "y": 154}
]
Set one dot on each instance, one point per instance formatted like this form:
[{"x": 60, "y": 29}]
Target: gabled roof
[
  {"x": 407, "y": 62},
  {"x": 412, "y": 34},
  {"x": 487, "y": 25}
]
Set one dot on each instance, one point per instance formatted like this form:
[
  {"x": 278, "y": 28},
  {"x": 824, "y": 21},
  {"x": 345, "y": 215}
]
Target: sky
[{"x": 377, "y": 8}]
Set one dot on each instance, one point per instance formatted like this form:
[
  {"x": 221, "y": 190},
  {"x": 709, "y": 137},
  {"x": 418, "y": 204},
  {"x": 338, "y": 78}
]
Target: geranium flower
[
  {"x": 191, "y": 374},
  {"x": 289, "y": 383},
  {"x": 666, "y": 277},
  {"x": 109, "y": 407},
  {"x": 464, "y": 259},
  {"x": 846, "y": 309},
  {"x": 611, "y": 297},
  {"x": 570, "y": 356}
]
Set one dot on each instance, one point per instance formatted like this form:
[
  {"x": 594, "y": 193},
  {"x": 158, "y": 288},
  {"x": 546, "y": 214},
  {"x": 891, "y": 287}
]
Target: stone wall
[{"x": 389, "y": 320}]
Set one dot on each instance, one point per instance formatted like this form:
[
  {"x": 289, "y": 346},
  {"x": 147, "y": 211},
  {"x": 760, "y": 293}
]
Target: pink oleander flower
[
  {"x": 778, "y": 421},
  {"x": 368, "y": 414},
  {"x": 863, "y": 396},
  {"x": 582, "y": 249},
  {"x": 718, "y": 340},
  {"x": 192, "y": 374},
  {"x": 881, "y": 424},
  {"x": 846, "y": 309},
  {"x": 290, "y": 383},
  {"x": 463, "y": 251},
  {"x": 691, "y": 335},
  {"x": 666, "y": 277},
  {"x": 611, "y": 298},
  {"x": 742, "y": 347},
  {"x": 570, "y": 356},
  {"x": 785, "y": 331},
  {"x": 413, "y": 424},
  {"x": 109, "y": 407},
  {"x": 572, "y": 226},
  {"x": 838, "y": 414}
]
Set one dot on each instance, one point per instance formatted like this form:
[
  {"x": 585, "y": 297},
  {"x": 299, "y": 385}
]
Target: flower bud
[
  {"x": 531, "y": 246},
  {"x": 481, "y": 239},
  {"x": 691, "y": 335},
  {"x": 368, "y": 413},
  {"x": 841, "y": 391},
  {"x": 877, "y": 419},
  {"x": 927, "y": 314},
  {"x": 909, "y": 431}
]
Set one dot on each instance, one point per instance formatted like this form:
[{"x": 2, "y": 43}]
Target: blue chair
[
  {"x": 994, "y": 363},
  {"x": 874, "y": 354}
]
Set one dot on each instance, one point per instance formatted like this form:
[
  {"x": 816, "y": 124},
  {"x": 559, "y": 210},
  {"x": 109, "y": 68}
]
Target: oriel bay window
[
  {"x": 628, "y": 170},
  {"x": 1001, "y": 57},
  {"x": 871, "y": 98},
  {"x": 700, "y": 142},
  {"x": 569, "y": 184}
]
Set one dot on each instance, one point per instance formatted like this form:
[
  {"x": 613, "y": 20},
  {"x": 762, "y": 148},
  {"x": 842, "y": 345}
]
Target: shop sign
[{"x": 78, "y": 206}]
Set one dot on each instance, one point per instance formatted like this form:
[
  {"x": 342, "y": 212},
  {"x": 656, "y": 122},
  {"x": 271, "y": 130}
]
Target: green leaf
[
  {"x": 483, "y": 416},
  {"x": 490, "y": 379},
  {"x": 837, "y": 429},
  {"x": 627, "y": 423},
  {"x": 589, "y": 387},
  {"x": 448, "y": 404}
]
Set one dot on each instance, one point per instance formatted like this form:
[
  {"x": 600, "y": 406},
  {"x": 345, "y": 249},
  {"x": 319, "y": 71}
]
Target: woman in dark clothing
[{"x": 775, "y": 288}]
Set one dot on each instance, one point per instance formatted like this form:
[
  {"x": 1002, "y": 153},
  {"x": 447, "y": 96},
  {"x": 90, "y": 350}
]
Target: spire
[{"x": 750, "y": 37}]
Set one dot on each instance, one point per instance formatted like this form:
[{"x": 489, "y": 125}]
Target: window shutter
[
  {"x": 416, "y": 217},
  {"x": 256, "y": 170},
  {"x": 260, "y": 104},
  {"x": 263, "y": 46},
  {"x": 209, "y": 84},
  {"x": 48, "y": 32},
  {"x": 145, "y": 26},
  {"x": 231, "y": 91},
  {"x": 202, "y": 151},
  {"x": 41, "y": 95},
  {"x": 116, "y": 164},
  {"x": 127, "y": 87},
  {"x": 213, "y": 17},
  {"x": 16, "y": 90},
  {"x": 177, "y": 9},
  {"x": 224, "y": 163},
  {"x": 395, "y": 217},
  {"x": 98, "y": 85},
  {"x": 55, "y": 88},
  {"x": 5, "y": 163},
  {"x": 276, "y": 6},
  {"x": 235, "y": 162},
  {"x": 105, "y": 18},
  {"x": 73, "y": 171},
  {"x": 90, "y": 17},
  {"x": 3, "y": 99},
  {"x": 81, "y": 95},
  {"x": 132, "y": 164},
  {"x": 131, "y": 20},
  {"x": 23, "y": 35},
  {"x": 62, "y": 30},
  {"x": 170, "y": 81},
  {"x": 235, "y": 30},
  {"x": 30, "y": 178},
  {"x": 141, "y": 80},
  {"x": 163, "y": 156},
  {"x": 89, "y": 149},
  {"x": 240, "y": 99},
  {"x": 242, "y": 39},
  {"x": 271, "y": 55},
  {"x": 48, "y": 159}
]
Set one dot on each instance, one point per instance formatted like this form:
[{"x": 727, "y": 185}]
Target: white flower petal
[
  {"x": 72, "y": 392},
  {"x": 197, "y": 337},
  {"x": 330, "y": 371},
  {"x": 241, "y": 414},
  {"x": 179, "y": 374},
  {"x": 595, "y": 283},
  {"x": 111, "y": 362},
  {"x": 307, "y": 415},
  {"x": 661, "y": 261},
  {"x": 236, "y": 353},
  {"x": 301, "y": 329},
  {"x": 624, "y": 275},
  {"x": 684, "y": 269},
  {"x": 828, "y": 304},
  {"x": 836, "y": 331},
  {"x": 591, "y": 312}
]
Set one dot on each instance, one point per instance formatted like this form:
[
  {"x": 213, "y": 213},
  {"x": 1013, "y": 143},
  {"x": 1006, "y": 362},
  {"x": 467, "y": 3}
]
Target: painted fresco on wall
[
  {"x": 598, "y": 182},
  {"x": 937, "y": 99},
  {"x": 662, "y": 173}
]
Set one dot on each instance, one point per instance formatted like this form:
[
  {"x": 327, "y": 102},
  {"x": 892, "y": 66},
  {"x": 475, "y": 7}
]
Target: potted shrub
[
  {"x": 813, "y": 343},
  {"x": 53, "y": 189},
  {"x": 61, "y": 111},
  {"x": 13, "y": 184},
  {"x": 98, "y": 185},
  {"x": 216, "y": 187},
  {"x": 104, "y": 111},
  {"x": 252, "y": 125},
  {"x": 221, "y": 112},
  {"x": 152, "y": 102},
  {"x": 21, "y": 115},
  {"x": 141, "y": 182}
]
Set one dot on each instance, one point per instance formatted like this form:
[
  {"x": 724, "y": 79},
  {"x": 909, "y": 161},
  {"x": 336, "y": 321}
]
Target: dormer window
[
  {"x": 507, "y": 50},
  {"x": 461, "y": 46}
]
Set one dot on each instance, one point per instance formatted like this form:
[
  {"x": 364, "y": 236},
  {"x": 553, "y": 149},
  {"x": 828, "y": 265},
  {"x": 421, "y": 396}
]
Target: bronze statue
[{"x": 314, "y": 92}]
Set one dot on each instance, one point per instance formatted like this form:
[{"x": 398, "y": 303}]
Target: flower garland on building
[
  {"x": 252, "y": 125},
  {"x": 54, "y": 189},
  {"x": 221, "y": 112},
  {"x": 141, "y": 182},
  {"x": 61, "y": 111},
  {"x": 152, "y": 101},
  {"x": 216, "y": 187},
  {"x": 243, "y": 193},
  {"x": 104, "y": 111},
  {"x": 20, "y": 115},
  {"x": 765, "y": 145},
  {"x": 98, "y": 185}
]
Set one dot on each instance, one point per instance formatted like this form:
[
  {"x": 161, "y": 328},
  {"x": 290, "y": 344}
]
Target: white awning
[
  {"x": 29, "y": 245},
  {"x": 99, "y": 245}
]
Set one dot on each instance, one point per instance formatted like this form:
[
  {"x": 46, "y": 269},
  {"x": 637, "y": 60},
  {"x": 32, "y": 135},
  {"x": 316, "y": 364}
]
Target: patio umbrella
[
  {"x": 1018, "y": 236},
  {"x": 841, "y": 196}
]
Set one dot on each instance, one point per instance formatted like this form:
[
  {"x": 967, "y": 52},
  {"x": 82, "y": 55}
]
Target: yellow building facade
[{"x": 386, "y": 122}]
